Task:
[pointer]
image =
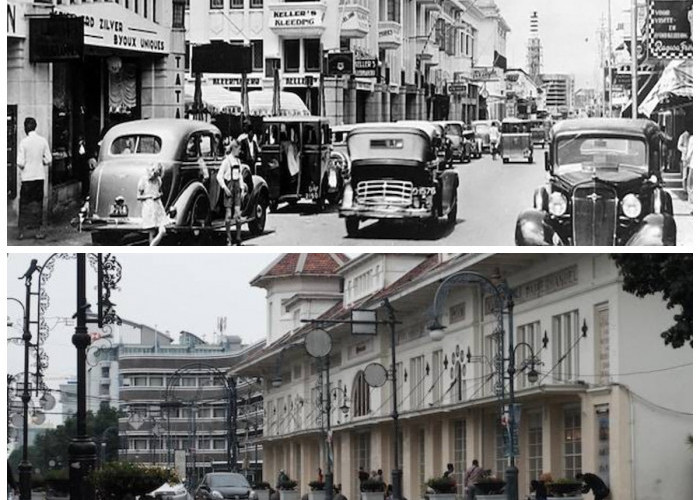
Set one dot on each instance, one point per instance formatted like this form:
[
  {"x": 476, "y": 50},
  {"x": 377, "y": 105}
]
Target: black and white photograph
[
  {"x": 350, "y": 122},
  {"x": 331, "y": 376}
]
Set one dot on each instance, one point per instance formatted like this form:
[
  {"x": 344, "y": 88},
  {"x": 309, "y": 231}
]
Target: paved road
[{"x": 491, "y": 195}]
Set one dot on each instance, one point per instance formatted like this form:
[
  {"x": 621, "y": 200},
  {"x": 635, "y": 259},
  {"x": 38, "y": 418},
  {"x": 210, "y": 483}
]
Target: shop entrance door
[{"x": 11, "y": 151}]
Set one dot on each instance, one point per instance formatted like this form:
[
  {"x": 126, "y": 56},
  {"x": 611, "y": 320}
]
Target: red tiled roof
[{"x": 310, "y": 264}]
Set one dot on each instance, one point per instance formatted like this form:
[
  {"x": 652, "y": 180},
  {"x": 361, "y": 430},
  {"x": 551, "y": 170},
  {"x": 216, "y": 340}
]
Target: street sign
[
  {"x": 366, "y": 67},
  {"x": 363, "y": 322},
  {"x": 459, "y": 88}
]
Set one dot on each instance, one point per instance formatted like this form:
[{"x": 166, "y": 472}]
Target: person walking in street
[
  {"x": 250, "y": 149},
  {"x": 33, "y": 156},
  {"x": 230, "y": 180},
  {"x": 153, "y": 216},
  {"x": 494, "y": 139},
  {"x": 472, "y": 475},
  {"x": 593, "y": 483}
]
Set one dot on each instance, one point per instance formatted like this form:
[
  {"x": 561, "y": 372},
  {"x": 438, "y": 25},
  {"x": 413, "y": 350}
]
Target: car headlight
[
  {"x": 216, "y": 495},
  {"x": 557, "y": 204},
  {"x": 631, "y": 206}
]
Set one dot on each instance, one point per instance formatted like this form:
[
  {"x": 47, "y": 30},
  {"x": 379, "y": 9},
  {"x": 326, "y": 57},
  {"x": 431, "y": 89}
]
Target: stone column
[
  {"x": 333, "y": 98},
  {"x": 349, "y": 103},
  {"x": 373, "y": 112}
]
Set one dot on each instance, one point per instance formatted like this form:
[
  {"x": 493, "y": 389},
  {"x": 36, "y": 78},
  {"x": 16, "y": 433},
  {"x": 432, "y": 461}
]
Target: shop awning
[
  {"x": 676, "y": 82},
  {"x": 218, "y": 99}
]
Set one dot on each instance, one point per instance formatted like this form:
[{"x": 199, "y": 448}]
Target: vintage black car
[
  {"x": 605, "y": 187},
  {"x": 395, "y": 173},
  {"x": 190, "y": 152}
]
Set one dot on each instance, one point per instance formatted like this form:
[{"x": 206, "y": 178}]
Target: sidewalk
[
  {"x": 59, "y": 232},
  {"x": 682, "y": 209}
]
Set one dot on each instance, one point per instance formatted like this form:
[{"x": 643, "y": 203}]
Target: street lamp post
[{"x": 396, "y": 473}]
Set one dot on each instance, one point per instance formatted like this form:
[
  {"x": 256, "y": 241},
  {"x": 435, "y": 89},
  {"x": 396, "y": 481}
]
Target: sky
[
  {"x": 172, "y": 292},
  {"x": 567, "y": 31}
]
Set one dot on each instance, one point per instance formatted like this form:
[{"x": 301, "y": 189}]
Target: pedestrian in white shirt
[{"x": 33, "y": 155}]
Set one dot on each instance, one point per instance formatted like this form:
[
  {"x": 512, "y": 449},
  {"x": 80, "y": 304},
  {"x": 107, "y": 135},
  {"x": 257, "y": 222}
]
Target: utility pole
[
  {"x": 633, "y": 50},
  {"x": 610, "y": 59}
]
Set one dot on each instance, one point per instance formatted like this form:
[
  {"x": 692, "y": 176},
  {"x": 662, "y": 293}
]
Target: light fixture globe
[
  {"x": 436, "y": 330},
  {"x": 276, "y": 382},
  {"x": 532, "y": 376}
]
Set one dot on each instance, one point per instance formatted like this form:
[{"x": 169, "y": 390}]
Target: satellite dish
[
  {"x": 318, "y": 343},
  {"x": 375, "y": 375},
  {"x": 17, "y": 420},
  {"x": 38, "y": 417},
  {"x": 47, "y": 401}
]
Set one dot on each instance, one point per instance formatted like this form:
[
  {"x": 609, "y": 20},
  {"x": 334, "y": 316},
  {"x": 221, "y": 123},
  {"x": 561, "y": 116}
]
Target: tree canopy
[{"x": 670, "y": 274}]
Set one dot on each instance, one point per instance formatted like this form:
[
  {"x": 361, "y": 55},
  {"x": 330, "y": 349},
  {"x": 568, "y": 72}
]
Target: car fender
[
  {"x": 183, "y": 203},
  {"x": 655, "y": 230},
  {"x": 532, "y": 229}
]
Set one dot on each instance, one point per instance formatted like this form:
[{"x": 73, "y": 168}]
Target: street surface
[{"x": 491, "y": 195}]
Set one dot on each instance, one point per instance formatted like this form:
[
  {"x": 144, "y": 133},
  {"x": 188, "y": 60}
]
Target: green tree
[{"x": 670, "y": 274}]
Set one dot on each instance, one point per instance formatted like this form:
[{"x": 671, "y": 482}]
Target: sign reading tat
[
  {"x": 111, "y": 26},
  {"x": 531, "y": 290}
]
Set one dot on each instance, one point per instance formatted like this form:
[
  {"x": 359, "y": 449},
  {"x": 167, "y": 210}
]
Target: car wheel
[
  {"x": 199, "y": 219},
  {"x": 257, "y": 225},
  {"x": 352, "y": 226}
]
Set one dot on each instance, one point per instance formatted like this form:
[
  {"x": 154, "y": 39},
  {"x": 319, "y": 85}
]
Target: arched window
[{"x": 360, "y": 395}]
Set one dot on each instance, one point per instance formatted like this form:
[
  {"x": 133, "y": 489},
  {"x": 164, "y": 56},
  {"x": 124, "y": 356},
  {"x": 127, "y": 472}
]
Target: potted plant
[
  {"x": 564, "y": 487},
  {"x": 317, "y": 490},
  {"x": 443, "y": 488},
  {"x": 490, "y": 485},
  {"x": 288, "y": 490},
  {"x": 372, "y": 489},
  {"x": 262, "y": 490}
]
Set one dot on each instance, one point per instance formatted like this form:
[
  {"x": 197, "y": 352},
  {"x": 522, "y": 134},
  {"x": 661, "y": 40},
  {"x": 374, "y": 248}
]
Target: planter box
[
  {"x": 262, "y": 494},
  {"x": 317, "y": 495},
  {"x": 577, "y": 497},
  {"x": 489, "y": 488},
  {"x": 372, "y": 495},
  {"x": 289, "y": 495},
  {"x": 442, "y": 496}
]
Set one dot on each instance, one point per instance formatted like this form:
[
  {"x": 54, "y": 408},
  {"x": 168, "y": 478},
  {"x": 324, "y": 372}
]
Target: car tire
[
  {"x": 199, "y": 219},
  {"x": 352, "y": 226},
  {"x": 257, "y": 225}
]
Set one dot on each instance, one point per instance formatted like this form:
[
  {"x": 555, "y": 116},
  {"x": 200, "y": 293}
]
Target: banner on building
[
  {"x": 671, "y": 29},
  {"x": 55, "y": 38},
  {"x": 222, "y": 57}
]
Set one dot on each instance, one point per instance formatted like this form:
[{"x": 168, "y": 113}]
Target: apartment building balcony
[
  {"x": 389, "y": 34},
  {"x": 298, "y": 19},
  {"x": 355, "y": 22},
  {"x": 426, "y": 50}
]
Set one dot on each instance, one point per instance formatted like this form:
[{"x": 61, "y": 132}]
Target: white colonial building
[{"x": 609, "y": 396}]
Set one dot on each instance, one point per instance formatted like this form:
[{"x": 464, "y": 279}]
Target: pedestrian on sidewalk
[
  {"x": 472, "y": 475},
  {"x": 230, "y": 180},
  {"x": 153, "y": 216},
  {"x": 593, "y": 483},
  {"x": 33, "y": 156}
]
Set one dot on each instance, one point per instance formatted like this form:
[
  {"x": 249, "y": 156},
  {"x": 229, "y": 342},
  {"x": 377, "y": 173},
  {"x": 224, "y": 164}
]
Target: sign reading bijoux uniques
[
  {"x": 671, "y": 23},
  {"x": 111, "y": 26}
]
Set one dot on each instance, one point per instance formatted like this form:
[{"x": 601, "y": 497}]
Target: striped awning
[{"x": 675, "y": 81}]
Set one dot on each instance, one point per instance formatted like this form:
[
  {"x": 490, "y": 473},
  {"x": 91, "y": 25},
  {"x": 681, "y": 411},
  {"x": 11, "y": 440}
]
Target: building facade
[
  {"x": 559, "y": 93},
  {"x": 128, "y": 64},
  {"x": 598, "y": 402},
  {"x": 413, "y": 58}
]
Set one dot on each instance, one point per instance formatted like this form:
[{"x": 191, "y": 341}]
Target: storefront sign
[
  {"x": 393, "y": 88},
  {"x": 531, "y": 290},
  {"x": 355, "y": 22},
  {"x": 300, "y": 81},
  {"x": 366, "y": 67},
  {"x": 16, "y": 24},
  {"x": 367, "y": 86},
  {"x": 671, "y": 29},
  {"x": 485, "y": 73},
  {"x": 291, "y": 17},
  {"x": 340, "y": 63},
  {"x": 111, "y": 26},
  {"x": 235, "y": 81},
  {"x": 55, "y": 38},
  {"x": 457, "y": 88}
]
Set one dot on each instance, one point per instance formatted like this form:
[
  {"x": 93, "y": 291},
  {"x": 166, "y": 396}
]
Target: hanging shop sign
[
  {"x": 457, "y": 88},
  {"x": 235, "y": 81},
  {"x": 671, "y": 25},
  {"x": 485, "y": 73},
  {"x": 56, "y": 38},
  {"x": 367, "y": 86},
  {"x": 109, "y": 25},
  {"x": 340, "y": 63},
  {"x": 366, "y": 67}
]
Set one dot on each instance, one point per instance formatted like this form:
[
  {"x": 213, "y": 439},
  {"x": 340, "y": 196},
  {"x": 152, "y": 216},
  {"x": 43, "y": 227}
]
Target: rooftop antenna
[{"x": 220, "y": 329}]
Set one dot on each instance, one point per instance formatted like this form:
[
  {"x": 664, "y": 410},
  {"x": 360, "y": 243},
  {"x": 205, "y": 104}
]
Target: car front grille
[
  {"x": 386, "y": 192},
  {"x": 594, "y": 214}
]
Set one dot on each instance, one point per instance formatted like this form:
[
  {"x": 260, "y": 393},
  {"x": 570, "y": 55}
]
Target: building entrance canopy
[{"x": 109, "y": 25}]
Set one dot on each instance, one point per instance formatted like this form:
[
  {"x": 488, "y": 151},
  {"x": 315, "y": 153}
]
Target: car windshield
[
  {"x": 224, "y": 480},
  {"x": 586, "y": 153},
  {"x": 135, "y": 144},
  {"x": 453, "y": 129}
]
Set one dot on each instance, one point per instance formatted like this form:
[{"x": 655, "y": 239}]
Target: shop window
[
  {"x": 363, "y": 448},
  {"x": 312, "y": 54},
  {"x": 460, "y": 450},
  {"x": 179, "y": 8},
  {"x": 256, "y": 4},
  {"x": 236, "y": 4},
  {"x": 257, "y": 47},
  {"x": 136, "y": 144},
  {"x": 216, "y": 4},
  {"x": 572, "y": 442},
  {"x": 566, "y": 352},
  {"x": 534, "y": 445},
  {"x": 291, "y": 56}
]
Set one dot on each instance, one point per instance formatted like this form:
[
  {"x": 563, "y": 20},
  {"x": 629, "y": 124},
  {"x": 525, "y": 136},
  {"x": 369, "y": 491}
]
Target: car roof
[
  {"x": 160, "y": 126},
  {"x": 400, "y": 126},
  {"x": 512, "y": 119},
  {"x": 224, "y": 474},
  {"x": 294, "y": 119},
  {"x": 343, "y": 128},
  {"x": 487, "y": 122},
  {"x": 638, "y": 126}
]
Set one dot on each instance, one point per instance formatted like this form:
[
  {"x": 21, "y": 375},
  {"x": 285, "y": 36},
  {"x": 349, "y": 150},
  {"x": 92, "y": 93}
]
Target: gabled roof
[{"x": 301, "y": 264}]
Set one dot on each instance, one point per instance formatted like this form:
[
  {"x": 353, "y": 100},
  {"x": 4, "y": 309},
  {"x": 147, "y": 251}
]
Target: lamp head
[
  {"x": 276, "y": 382},
  {"x": 436, "y": 330},
  {"x": 532, "y": 375}
]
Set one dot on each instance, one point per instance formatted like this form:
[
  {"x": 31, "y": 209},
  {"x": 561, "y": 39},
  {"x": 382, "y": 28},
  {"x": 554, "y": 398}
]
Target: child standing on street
[{"x": 153, "y": 216}]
